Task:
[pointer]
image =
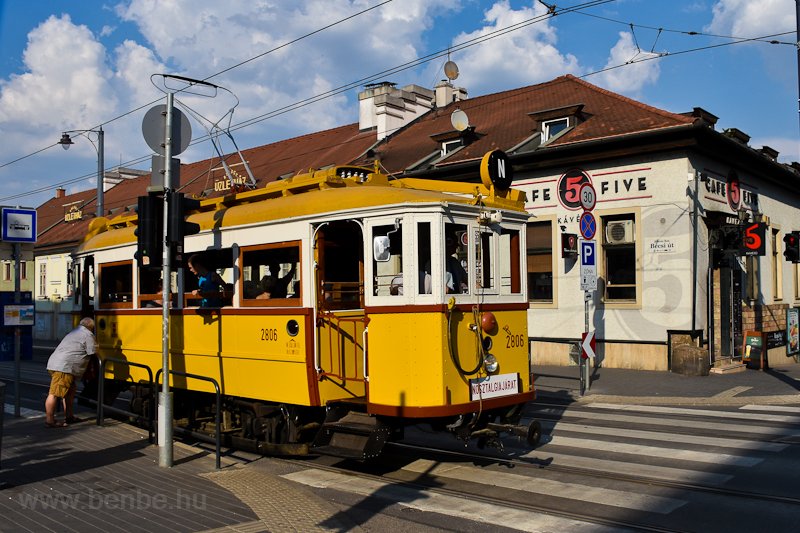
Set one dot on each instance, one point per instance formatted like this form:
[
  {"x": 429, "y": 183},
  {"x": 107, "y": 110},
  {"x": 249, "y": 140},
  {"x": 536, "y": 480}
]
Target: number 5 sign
[{"x": 754, "y": 239}]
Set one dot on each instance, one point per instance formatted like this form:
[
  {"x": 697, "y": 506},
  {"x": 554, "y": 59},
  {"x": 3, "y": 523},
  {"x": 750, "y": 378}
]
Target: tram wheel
[{"x": 534, "y": 433}]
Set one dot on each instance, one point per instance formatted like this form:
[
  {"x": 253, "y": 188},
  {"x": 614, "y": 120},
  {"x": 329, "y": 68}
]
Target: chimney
[
  {"x": 386, "y": 109},
  {"x": 61, "y": 192},
  {"x": 446, "y": 93},
  {"x": 737, "y": 135},
  {"x": 769, "y": 152}
]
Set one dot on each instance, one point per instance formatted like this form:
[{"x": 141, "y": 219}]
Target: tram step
[{"x": 355, "y": 436}]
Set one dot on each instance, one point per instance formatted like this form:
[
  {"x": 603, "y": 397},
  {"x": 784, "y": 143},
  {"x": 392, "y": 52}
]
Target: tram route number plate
[{"x": 493, "y": 386}]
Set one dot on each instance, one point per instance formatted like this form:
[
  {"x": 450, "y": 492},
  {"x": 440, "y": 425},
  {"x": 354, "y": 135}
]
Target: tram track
[
  {"x": 320, "y": 464},
  {"x": 627, "y": 478}
]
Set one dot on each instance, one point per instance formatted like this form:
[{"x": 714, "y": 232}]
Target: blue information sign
[{"x": 19, "y": 225}]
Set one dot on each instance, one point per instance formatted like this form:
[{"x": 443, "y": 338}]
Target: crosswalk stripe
[
  {"x": 548, "y": 487},
  {"x": 695, "y": 412},
  {"x": 492, "y": 516},
  {"x": 669, "y": 437},
  {"x": 777, "y": 408},
  {"x": 655, "y": 451},
  {"x": 766, "y": 431},
  {"x": 665, "y": 473}
]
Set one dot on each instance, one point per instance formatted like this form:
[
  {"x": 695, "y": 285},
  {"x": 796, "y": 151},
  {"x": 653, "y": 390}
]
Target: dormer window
[
  {"x": 449, "y": 146},
  {"x": 551, "y": 128}
]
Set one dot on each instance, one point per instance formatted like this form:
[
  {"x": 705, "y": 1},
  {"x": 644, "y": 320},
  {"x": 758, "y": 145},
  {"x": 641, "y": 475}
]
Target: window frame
[
  {"x": 554, "y": 261},
  {"x": 296, "y": 301},
  {"x": 102, "y": 304},
  {"x": 610, "y": 215},
  {"x": 546, "y": 124},
  {"x": 777, "y": 264}
]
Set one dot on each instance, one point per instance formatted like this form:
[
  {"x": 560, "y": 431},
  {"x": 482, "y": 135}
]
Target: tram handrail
[
  {"x": 218, "y": 437},
  {"x": 101, "y": 386}
]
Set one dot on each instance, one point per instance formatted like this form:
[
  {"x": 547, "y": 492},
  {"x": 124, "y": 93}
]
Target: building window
[
  {"x": 619, "y": 258},
  {"x": 6, "y": 271},
  {"x": 540, "y": 261},
  {"x": 796, "y": 276},
  {"x": 777, "y": 266},
  {"x": 43, "y": 279},
  {"x": 23, "y": 270},
  {"x": 449, "y": 146},
  {"x": 551, "y": 128},
  {"x": 751, "y": 277}
]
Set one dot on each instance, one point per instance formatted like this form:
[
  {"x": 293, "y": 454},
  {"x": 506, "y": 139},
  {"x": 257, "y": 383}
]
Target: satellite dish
[
  {"x": 451, "y": 70},
  {"x": 459, "y": 120}
]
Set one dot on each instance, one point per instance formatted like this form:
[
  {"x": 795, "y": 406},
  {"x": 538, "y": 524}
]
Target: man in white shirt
[{"x": 66, "y": 365}]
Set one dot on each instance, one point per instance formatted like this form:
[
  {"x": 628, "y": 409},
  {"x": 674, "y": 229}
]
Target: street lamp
[{"x": 66, "y": 142}]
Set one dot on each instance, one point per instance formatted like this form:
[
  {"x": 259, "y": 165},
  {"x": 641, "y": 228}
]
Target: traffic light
[
  {"x": 791, "y": 246},
  {"x": 178, "y": 227},
  {"x": 149, "y": 231}
]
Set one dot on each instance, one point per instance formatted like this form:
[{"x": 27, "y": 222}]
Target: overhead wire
[{"x": 578, "y": 9}]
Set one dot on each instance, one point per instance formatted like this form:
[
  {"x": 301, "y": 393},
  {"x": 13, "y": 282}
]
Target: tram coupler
[{"x": 532, "y": 433}]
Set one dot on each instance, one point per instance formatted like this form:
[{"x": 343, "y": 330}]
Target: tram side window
[
  {"x": 116, "y": 284},
  {"x": 484, "y": 262},
  {"x": 388, "y": 259},
  {"x": 151, "y": 288},
  {"x": 271, "y": 274},
  {"x": 455, "y": 260},
  {"x": 217, "y": 269}
]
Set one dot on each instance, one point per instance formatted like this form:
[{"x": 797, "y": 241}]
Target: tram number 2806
[
  {"x": 515, "y": 341},
  {"x": 269, "y": 334}
]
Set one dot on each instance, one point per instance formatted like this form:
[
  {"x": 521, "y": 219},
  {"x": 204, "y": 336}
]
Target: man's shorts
[{"x": 61, "y": 383}]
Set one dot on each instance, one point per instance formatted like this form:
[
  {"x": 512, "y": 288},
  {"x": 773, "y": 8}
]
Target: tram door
[{"x": 339, "y": 254}]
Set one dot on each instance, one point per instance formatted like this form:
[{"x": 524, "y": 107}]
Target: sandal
[
  {"x": 72, "y": 420},
  {"x": 55, "y": 424}
]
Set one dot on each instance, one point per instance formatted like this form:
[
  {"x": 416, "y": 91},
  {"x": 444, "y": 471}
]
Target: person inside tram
[
  {"x": 456, "y": 277},
  {"x": 209, "y": 283},
  {"x": 279, "y": 286}
]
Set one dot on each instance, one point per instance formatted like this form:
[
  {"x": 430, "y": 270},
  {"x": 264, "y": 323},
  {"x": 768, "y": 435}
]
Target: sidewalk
[
  {"x": 89, "y": 478},
  {"x": 779, "y": 385}
]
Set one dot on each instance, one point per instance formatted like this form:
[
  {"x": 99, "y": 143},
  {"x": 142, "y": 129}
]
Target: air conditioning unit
[{"x": 619, "y": 232}]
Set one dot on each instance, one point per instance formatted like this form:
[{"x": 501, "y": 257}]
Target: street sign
[
  {"x": 588, "y": 265},
  {"x": 588, "y": 345},
  {"x": 19, "y": 225},
  {"x": 754, "y": 239},
  {"x": 588, "y": 225},
  {"x": 588, "y": 196}
]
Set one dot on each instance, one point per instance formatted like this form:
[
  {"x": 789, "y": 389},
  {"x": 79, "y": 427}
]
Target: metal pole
[
  {"x": 165, "y": 400},
  {"x": 17, "y": 331},
  {"x": 586, "y": 297},
  {"x": 100, "y": 170}
]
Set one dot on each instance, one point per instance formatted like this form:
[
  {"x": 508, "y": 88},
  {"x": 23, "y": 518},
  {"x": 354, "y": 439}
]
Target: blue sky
[{"x": 76, "y": 65}]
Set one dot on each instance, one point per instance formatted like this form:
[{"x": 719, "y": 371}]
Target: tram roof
[{"x": 317, "y": 193}]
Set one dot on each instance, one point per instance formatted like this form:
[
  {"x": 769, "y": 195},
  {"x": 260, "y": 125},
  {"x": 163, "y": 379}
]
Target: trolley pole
[{"x": 165, "y": 398}]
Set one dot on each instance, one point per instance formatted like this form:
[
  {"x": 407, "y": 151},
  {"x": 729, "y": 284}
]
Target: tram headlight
[
  {"x": 490, "y": 363},
  {"x": 292, "y": 328}
]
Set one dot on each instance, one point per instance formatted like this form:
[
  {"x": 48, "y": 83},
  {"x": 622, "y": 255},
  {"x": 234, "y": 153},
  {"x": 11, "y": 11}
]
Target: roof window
[{"x": 551, "y": 128}]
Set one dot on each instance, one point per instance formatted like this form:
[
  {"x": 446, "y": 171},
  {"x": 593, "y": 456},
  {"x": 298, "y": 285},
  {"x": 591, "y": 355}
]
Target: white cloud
[
  {"x": 523, "y": 57},
  {"x": 752, "y": 18},
  {"x": 636, "y": 68}
]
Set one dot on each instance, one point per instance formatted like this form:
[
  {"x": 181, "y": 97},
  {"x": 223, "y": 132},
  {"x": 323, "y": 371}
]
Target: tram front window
[
  {"x": 388, "y": 263},
  {"x": 455, "y": 259}
]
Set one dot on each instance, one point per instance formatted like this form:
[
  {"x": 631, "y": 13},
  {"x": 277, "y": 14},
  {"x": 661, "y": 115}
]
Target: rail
[
  {"x": 217, "y": 435},
  {"x": 102, "y": 407}
]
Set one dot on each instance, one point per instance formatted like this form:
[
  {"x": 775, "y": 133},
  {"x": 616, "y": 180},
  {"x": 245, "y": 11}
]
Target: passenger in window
[
  {"x": 279, "y": 285},
  {"x": 457, "y": 280},
  {"x": 209, "y": 284},
  {"x": 269, "y": 287}
]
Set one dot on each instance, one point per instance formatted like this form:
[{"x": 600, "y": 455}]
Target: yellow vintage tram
[{"x": 353, "y": 304}]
